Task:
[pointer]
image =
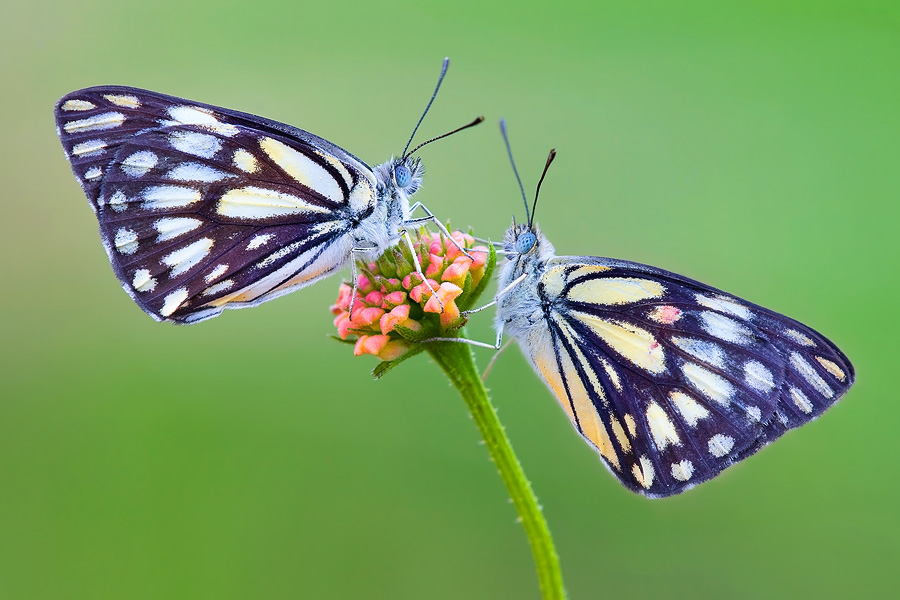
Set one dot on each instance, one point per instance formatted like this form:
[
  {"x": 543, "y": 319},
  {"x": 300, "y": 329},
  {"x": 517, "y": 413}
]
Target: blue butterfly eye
[
  {"x": 525, "y": 242},
  {"x": 402, "y": 175}
]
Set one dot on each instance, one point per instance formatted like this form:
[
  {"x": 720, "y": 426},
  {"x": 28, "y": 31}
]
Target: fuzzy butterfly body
[
  {"x": 670, "y": 380},
  {"x": 203, "y": 208}
]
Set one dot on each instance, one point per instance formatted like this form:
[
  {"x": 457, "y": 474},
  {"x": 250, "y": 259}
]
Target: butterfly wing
[
  {"x": 671, "y": 380},
  {"x": 202, "y": 208}
]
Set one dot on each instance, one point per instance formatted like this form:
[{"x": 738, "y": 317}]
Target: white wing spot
[
  {"x": 93, "y": 173},
  {"x": 725, "y": 329},
  {"x": 702, "y": 350},
  {"x": 724, "y": 304},
  {"x": 192, "y": 171},
  {"x": 808, "y": 373},
  {"x": 689, "y": 408},
  {"x": 611, "y": 372},
  {"x": 245, "y": 161},
  {"x": 644, "y": 473},
  {"x": 754, "y": 413},
  {"x": 720, "y": 445},
  {"x": 142, "y": 281},
  {"x": 184, "y": 259},
  {"x": 126, "y": 241},
  {"x": 75, "y": 104},
  {"x": 832, "y": 368},
  {"x": 711, "y": 385},
  {"x": 222, "y": 286},
  {"x": 118, "y": 202},
  {"x": 89, "y": 148},
  {"x": 173, "y": 301},
  {"x": 620, "y": 434},
  {"x": 631, "y": 425},
  {"x": 801, "y": 400},
  {"x": 124, "y": 101},
  {"x": 139, "y": 163},
  {"x": 799, "y": 337},
  {"x": 201, "y": 117},
  {"x": 170, "y": 228},
  {"x": 196, "y": 144},
  {"x": 661, "y": 427},
  {"x": 758, "y": 376},
  {"x": 260, "y": 241},
  {"x": 276, "y": 256},
  {"x": 215, "y": 273},
  {"x": 108, "y": 120},
  {"x": 683, "y": 470},
  {"x": 169, "y": 196},
  {"x": 253, "y": 202}
]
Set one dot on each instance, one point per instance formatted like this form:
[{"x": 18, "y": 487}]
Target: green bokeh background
[{"x": 252, "y": 457}]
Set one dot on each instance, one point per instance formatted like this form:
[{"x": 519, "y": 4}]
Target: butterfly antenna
[
  {"x": 430, "y": 102},
  {"x": 516, "y": 171},
  {"x": 440, "y": 137},
  {"x": 537, "y": 192}
]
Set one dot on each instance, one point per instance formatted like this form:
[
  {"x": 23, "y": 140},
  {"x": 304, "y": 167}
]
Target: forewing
[
  {"x": 671, "y": 380},
  {"x": 202, "y": 208}
]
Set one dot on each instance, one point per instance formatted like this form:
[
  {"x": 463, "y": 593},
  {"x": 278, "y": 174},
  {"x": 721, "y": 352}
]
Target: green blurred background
[{"x": 252, "y": 457}]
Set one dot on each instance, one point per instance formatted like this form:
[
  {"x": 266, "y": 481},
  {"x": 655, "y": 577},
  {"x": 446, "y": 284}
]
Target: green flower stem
[{"x": 458, "y": 363}]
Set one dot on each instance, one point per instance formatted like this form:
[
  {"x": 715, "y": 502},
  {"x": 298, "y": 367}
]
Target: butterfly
[
  {"x": 669, "y": 379},
  {"x": 203, "y": 208}
]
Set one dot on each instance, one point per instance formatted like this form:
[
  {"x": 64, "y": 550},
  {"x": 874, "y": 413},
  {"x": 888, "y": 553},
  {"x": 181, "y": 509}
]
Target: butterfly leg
[
  {"x": 495, "y": 345},
  {"x": 494, "y": 358},
  {"x": 354, "y": 274},
  {"x": 418, "y": 266},
  {"x": 437, "y": 223},
  {"x": 486, "y": 241},
  {"x": 499, "y": 295}
]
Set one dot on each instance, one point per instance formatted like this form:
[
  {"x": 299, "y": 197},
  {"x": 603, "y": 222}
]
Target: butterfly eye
[
  {"x": 402, "y": 175},
  {"x": 525, "y": 242}
]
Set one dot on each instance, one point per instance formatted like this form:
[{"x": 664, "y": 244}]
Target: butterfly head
[
  {"x": 406, "y": 174},
  {"x": 526, "y": 242}
]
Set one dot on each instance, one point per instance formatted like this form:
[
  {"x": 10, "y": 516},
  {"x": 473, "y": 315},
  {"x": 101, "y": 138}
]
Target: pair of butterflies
[{"x": 202, "y": 208}]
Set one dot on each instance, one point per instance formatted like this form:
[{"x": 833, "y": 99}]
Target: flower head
[{"x": 395, "y": 307}]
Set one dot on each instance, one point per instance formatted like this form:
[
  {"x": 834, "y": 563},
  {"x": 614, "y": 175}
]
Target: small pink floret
[
  {"x": 447, "y": 293},
  {"x": 436, "y": 263},
  {"x": 397, "y": 316},
  {"x": 374, "y": 298},
  {"x": 423, "y": 290},
  {"x": 367, "y": 316},
  {"x": 394, "y": 299}
]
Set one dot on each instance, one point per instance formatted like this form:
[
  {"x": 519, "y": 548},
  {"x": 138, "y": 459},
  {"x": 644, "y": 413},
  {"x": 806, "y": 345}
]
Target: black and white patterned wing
[
  {"x": 671, "y": 380},
  {"x": 203, "y": 208}
]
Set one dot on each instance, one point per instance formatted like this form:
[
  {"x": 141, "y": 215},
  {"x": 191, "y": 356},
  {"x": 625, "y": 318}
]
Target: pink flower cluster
[{"x": 394, "y": 306}]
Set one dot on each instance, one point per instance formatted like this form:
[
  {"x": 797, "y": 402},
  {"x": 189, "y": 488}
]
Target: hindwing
[
  {"x": 671, "y": 380},
  {"x": 201, "y": 207}
]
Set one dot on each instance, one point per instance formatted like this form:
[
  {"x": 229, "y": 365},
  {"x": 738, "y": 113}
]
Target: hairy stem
[{"x": 458, "y": 363}]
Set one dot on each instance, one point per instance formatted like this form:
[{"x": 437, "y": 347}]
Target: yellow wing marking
[
  {"x": 631, "y": 342},
  {"x": 303, "y": 169},
  {"x": 615, "y": 290},
  {"x": 592, "y": 425},
  {"x": 554, "y": 279},
  {"x": 832, "y": 368}
]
